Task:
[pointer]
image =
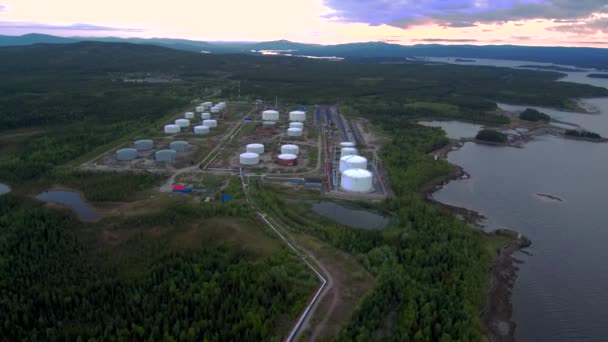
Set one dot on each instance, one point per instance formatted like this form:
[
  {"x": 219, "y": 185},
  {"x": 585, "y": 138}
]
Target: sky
[{"x": 520, "y": 22}]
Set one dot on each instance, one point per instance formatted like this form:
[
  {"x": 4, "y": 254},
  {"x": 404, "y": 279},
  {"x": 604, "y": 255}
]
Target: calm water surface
[
  {"x": 353, "y": 217},
  {"x": 73, "y": 200},
  {"x": 4, "y": 189},
  {"x": 454, "y": 129}
]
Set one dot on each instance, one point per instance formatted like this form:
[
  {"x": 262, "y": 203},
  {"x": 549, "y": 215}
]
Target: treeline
[
  {"x": 52, "y": 287},
  {"x": 491, "y": 135},
  {"x": 583, "y": 134},
  {"x": 531, "y": 114}
]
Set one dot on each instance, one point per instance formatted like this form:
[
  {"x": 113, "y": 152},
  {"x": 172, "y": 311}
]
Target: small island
[
  {"x": 583, "y": 135},
  {"x": 533, "y": 115},
  {"x": 597, "y": 75},
  {"x": 549, "y": 68},
  {"x": 463, "y": 60},
  {"x": 492, "y": 136}
]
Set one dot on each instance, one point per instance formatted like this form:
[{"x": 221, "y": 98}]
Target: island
[
  {"x": 492, "y": 136},
  {"x": 583, "y": 135},
  {"x": 534, "y": 115},
  {"x": 462, "y": 60},
  {"x": 549, "y": 68},
  {"x": 597, "y": 75}
]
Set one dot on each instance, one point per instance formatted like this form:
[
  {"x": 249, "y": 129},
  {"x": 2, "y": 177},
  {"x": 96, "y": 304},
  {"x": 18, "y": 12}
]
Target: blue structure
[{"x": 225, "y": 198}]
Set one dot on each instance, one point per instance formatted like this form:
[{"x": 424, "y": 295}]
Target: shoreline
[{"x": 496, "y": 315}]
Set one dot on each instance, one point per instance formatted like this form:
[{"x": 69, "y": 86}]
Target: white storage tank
[
  {"x": 290, "y": 149},
  {"x": 269, "y": 123},
  {"x": 347, "y": 144},
  {"x": 255, "y": 148},
  {"x": 189, "y": 115},
  {"x": 249, "y": 158},
  {"x": 294, "y": 132},
  {"x": 356, "y": 180},
  {"x": 353, "y": 162},
  {"x": 144, "y": 145},
  {"x": 179, "y": 146},
  {"x": 206, "y": 116},
  {"x": 126, "y": 154},
  {"x": 297, "y": 115},
  {"x": 165, "y": 155},
  {"x": 172, "y": 129},
  {"x": 296, "y": 125},
  {"x": 270, "y": 115},
  {"x": 207, "y": 104},
  {"x": 201, "y": 130},
  {"x": 200, "y": 109},
  {"x": 210, "y": 123},
  {"x": 348, "y": 151},
  {"x": 182, "y": 123},
  {"x": 215, "y": 110},
  {"x": 222, "y": 105}
]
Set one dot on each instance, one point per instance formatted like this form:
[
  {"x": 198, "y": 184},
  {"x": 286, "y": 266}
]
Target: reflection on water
[
  {"x": 72, "y": 200},
  {"x": 350, "y": 216},
  {"x": 4, "y": 189},
  {"x": 454, "y": 129}
]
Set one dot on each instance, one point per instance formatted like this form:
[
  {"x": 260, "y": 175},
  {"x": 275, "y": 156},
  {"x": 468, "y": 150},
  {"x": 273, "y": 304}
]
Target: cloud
[
  {"x": 591, "y": 26},
  {"x": 460, "y": 13},
  {"x": 445, "y": 40},
  {"x": 521, "y": 37},
  {"x": 3, "y": 8},
  {"x": 584, "y": 42},
  {"x": 35, "y": 27}
]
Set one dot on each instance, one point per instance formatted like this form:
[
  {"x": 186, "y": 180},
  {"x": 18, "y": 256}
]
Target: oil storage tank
[
  {"x": 126, "y": 154},
  {"x": 200, "y": 109},
  {"x": 356, "y": 180},
  {"x": 290, "y": 149},
  {"x": 353, "y": 162},
  {"x": 206, "y": 116},
  {"x": 144, "y": 144},
  {"x": 249, "y": 158},
  {"x": 255, "y": 148},
  {"x": 348, "y": 151},
  {"x": 269, "y": 123},
  {"x": 179, "y": 146},
  {"x": 182, "y": 123},
  {"x": 165, "y": 156},
  {"x": 347, "y": 144},
  {"x": 294, "y": 132},
  {"x": 287, "y": 159},
  {"x": 270, "y": 115},
  {"x": 210, "y": 123},
  {"x": 215, "y": 110},
  {"x": 297, "y": 115},
  {"x": 189, "y": 115},
  {"x": 172, "y": 129},
  {"x": 201, "y": 130},
  {"x": 296, "y": 125}
]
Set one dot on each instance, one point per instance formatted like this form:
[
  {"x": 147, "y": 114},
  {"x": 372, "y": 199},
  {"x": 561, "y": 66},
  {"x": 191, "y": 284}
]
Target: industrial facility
[
  {"x": 126, "y": 154},
  {"x": 144, "y": 145}
]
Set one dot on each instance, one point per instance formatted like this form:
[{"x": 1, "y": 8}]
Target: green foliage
[
  {"x": 583, "y": 134},
  {"x": 491, "y": 135},
  {"x": 533, "y": 115}
]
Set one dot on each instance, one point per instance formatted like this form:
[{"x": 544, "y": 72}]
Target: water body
[
  {"x": 4, "y": 189},
  {"x": 350, "y": 216},
  {"x": 73, "y": 200},
  {"x": 454, "y": 129}
]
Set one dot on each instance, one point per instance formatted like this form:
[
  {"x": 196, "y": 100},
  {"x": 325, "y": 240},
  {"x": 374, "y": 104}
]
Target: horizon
[{"x": 325, "y": 22}]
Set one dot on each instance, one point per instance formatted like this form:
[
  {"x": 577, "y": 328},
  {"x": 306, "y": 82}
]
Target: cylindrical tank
[
  {"x": 165, "y": 155},
  {"x": 215, "y": 110},
  {"x": 179, "y": 146},
  {"x": 144, "y": 145},
  {"x": 348, "y": 151},
  {"x": 249, "y": 158},
  {"x": 207, "y": 104},
  {"x": 172, "y": 129},
  {"x": 255, "y": 148},
  {"x": 270, "y": 115},
  {"x": 294, "y": 132},
  {"x": 126, "y": 154},
  {"x": 189, "y": 115},
  {"x": 290, "y": 149},
  {"x": 269, "y": 123},
  {"x": 347, "y": 144},
  {"x": 353, "y": 162},
  {"x": 222, "y": 105},
  {"x": 200, "y": 109},
  {"x": 182, "y": 123},
  {"x": 297, "y": 115},
  {"x": 356, "y": 180},
  {"x": 205, "y": 116},
  {"x": 210, "y": 123},
  {"x": 201, "y": 130},
  {"x": 296, "y": 125},
  {"x": 287, "y": 159}
]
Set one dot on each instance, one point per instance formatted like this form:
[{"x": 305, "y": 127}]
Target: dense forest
[
  {"x": 491, "y": 135},
  {"x": 534, "y": 115},
  {"x": 58, "y": 281},
  {"x": 583, "y": 134}
]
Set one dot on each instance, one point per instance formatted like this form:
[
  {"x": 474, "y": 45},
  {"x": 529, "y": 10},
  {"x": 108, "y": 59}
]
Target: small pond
[
  {"x": 350, "y": 216},
  {"x": 4, "y": 189},
  {"x": 71, "y": 199}
]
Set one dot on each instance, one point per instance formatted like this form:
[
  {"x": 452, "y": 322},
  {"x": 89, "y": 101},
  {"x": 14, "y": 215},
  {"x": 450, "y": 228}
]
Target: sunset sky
[{"x": 521, "y": 22}]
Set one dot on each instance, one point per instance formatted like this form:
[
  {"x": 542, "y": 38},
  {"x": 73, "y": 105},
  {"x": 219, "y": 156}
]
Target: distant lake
[
  {"x": 4, "y": 189},
  {"x": 350, "y": 216},
  {"x": 73, "y": 200},
  {"x": 454, "y": 129}
]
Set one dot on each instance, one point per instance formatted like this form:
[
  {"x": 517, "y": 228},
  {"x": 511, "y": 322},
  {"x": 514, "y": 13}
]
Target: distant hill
[{"x": 580, "y": 57}]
